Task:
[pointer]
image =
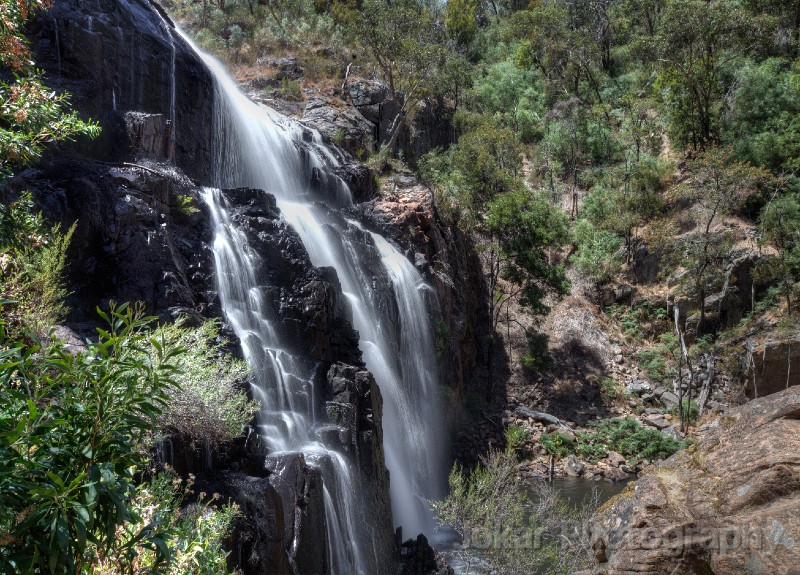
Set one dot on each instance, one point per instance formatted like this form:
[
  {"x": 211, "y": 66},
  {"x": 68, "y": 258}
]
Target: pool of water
[{"x": 572, "y": 490}]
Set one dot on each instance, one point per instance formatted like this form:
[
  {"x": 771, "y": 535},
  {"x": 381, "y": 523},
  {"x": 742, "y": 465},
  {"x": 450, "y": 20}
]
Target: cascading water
[{"x": 257, "y": 147}]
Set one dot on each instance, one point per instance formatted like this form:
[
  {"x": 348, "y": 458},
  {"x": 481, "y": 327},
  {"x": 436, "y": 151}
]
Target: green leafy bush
[
  {"x": 208, "y": 405},
  {"x": 31, "y": 265},
  {"x": 625, "y": 436},
  {"x": 538, "y": 357},
  {"x": 690, "y": 409},
  {"x": 514, "y": 532},
  {"x": 73, "y": 434},
  {"x": 194, "y": 531},
  {"x": 516, "y": 438},
  {"x": 599, "y": 255},
  {"x": 558, "y": 444}
]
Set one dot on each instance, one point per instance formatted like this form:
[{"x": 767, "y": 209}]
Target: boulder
[
  {"x": 639, "y": 386},
  {"x": 573, "y": 467},
  {"x": 765, "y": 366},
  {"x": 725, "y": 506}
]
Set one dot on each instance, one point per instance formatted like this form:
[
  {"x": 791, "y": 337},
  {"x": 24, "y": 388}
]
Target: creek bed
[{"x": 573, "y": 491}]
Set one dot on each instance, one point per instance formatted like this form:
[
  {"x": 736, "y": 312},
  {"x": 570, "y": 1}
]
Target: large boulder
[
  {"x": 770, "y": 366},
  {"x": 729, "y": 505}
]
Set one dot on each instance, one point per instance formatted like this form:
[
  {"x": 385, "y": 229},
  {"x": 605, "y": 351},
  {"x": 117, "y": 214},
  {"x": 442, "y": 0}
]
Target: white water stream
[{"x": 257, "y": 147}]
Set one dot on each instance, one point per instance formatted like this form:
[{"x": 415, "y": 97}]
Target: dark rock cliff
[{"x": 115, "y": 56}]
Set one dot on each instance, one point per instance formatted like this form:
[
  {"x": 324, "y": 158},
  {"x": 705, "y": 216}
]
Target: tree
[
  {"x": 517, "y": 527},
  {"x": 405, "y": 40},
  {"x": 717, "y": 187},
  {"x": 31, "y": 115},
  {"x": 523, "y": 230},
  {"x": 487, "y": 160},
  {"x": 695, "y": 40},
  {"x": 780, "y": 228},
  {"x": 461, "y": 20}
]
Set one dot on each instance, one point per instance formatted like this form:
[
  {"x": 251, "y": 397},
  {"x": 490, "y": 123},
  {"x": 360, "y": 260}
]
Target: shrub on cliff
[{"x": 209, "y": 405}]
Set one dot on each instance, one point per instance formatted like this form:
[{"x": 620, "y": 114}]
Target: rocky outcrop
[
  {"x": 115, "y": 56},
  {"x": 406, "y": 214},
  {"x": 726, "y": 506},
  {"x": 430, "y": 127},
  {"x": 770, "y": 366},
  {"x": 141, "y": 234}
]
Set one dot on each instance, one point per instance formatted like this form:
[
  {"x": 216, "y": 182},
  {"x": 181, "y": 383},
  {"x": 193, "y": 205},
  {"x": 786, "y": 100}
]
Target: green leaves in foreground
[{"x": 73, "y": 431}]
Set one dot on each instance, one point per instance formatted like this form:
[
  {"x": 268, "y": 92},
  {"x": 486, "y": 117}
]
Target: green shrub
[
  {"x": 626, "y": 436},
  {"x": 208, "y": 405},
  {"x": 31, "y": 265},
  {"x": 629, "y": 438},
  {"x": 490, "y": 508},
  {"x": 610, "y": 388},
  {"x": 599, "y": 255},
  {"x": 652, "y": 362},
  {"x": 690, "y": 409},
  {"x": 74, "y": 431},
  {"x": 195, "y": 532},
  {"x": 538, "y": 357},
  {"x": 516, "y": 438},
  {"x": 558, "y": 444}
]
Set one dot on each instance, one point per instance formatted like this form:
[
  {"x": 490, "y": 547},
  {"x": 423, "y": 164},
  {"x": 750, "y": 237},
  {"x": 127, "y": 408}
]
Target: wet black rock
[
  {"x": 116, "y": 56},
  {"x": 141, "y": 234}
]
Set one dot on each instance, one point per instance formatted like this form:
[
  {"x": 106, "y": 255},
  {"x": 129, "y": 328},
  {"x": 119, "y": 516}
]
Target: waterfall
[{"x": 259, "y": 148}]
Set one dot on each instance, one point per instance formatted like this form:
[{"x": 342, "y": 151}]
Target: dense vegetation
[
  {"x": 588, "y": 131},
  {"x": 80, "y": 490}
]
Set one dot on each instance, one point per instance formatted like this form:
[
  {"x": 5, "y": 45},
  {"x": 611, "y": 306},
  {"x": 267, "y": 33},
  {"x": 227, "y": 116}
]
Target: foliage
[
  {"x": 610, "y": 388},
  {"x": 33, "y": 258},
  {"x": 31, "y": 115},
  {"x": 404, "y": 39},
  {"x": 719, "y": 186},
  {"x": 516, "y": 437},
  {"x": 195, "y": 531},
  {"x": 538, "y": 357},
  {"x": 780, "y": 228},
  {"x": 525, "y": 227},
  {"x": 558, "y": 444},
  {"x": 209, "y": 405},
  {"x": 514, "y": 532},
  {"x": 625, "y": 436},
  {"x": 74, "y": 430},
  {"x": 599, "y": 252},
  {"x": 690, "y": 409}
]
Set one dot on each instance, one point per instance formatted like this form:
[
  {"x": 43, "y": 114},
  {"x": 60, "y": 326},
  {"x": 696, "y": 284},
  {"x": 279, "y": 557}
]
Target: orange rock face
[{"x": 730, "y": 505}]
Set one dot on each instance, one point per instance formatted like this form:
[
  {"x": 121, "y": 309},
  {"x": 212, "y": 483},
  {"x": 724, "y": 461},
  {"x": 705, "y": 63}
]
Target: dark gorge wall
[{"x": 116, "y": 56}]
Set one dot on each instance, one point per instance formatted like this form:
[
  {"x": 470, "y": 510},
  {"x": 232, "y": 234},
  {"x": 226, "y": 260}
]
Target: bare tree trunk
[
  {"x": 397, "y": 125},
  {"x": 707, "y": 386}
]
